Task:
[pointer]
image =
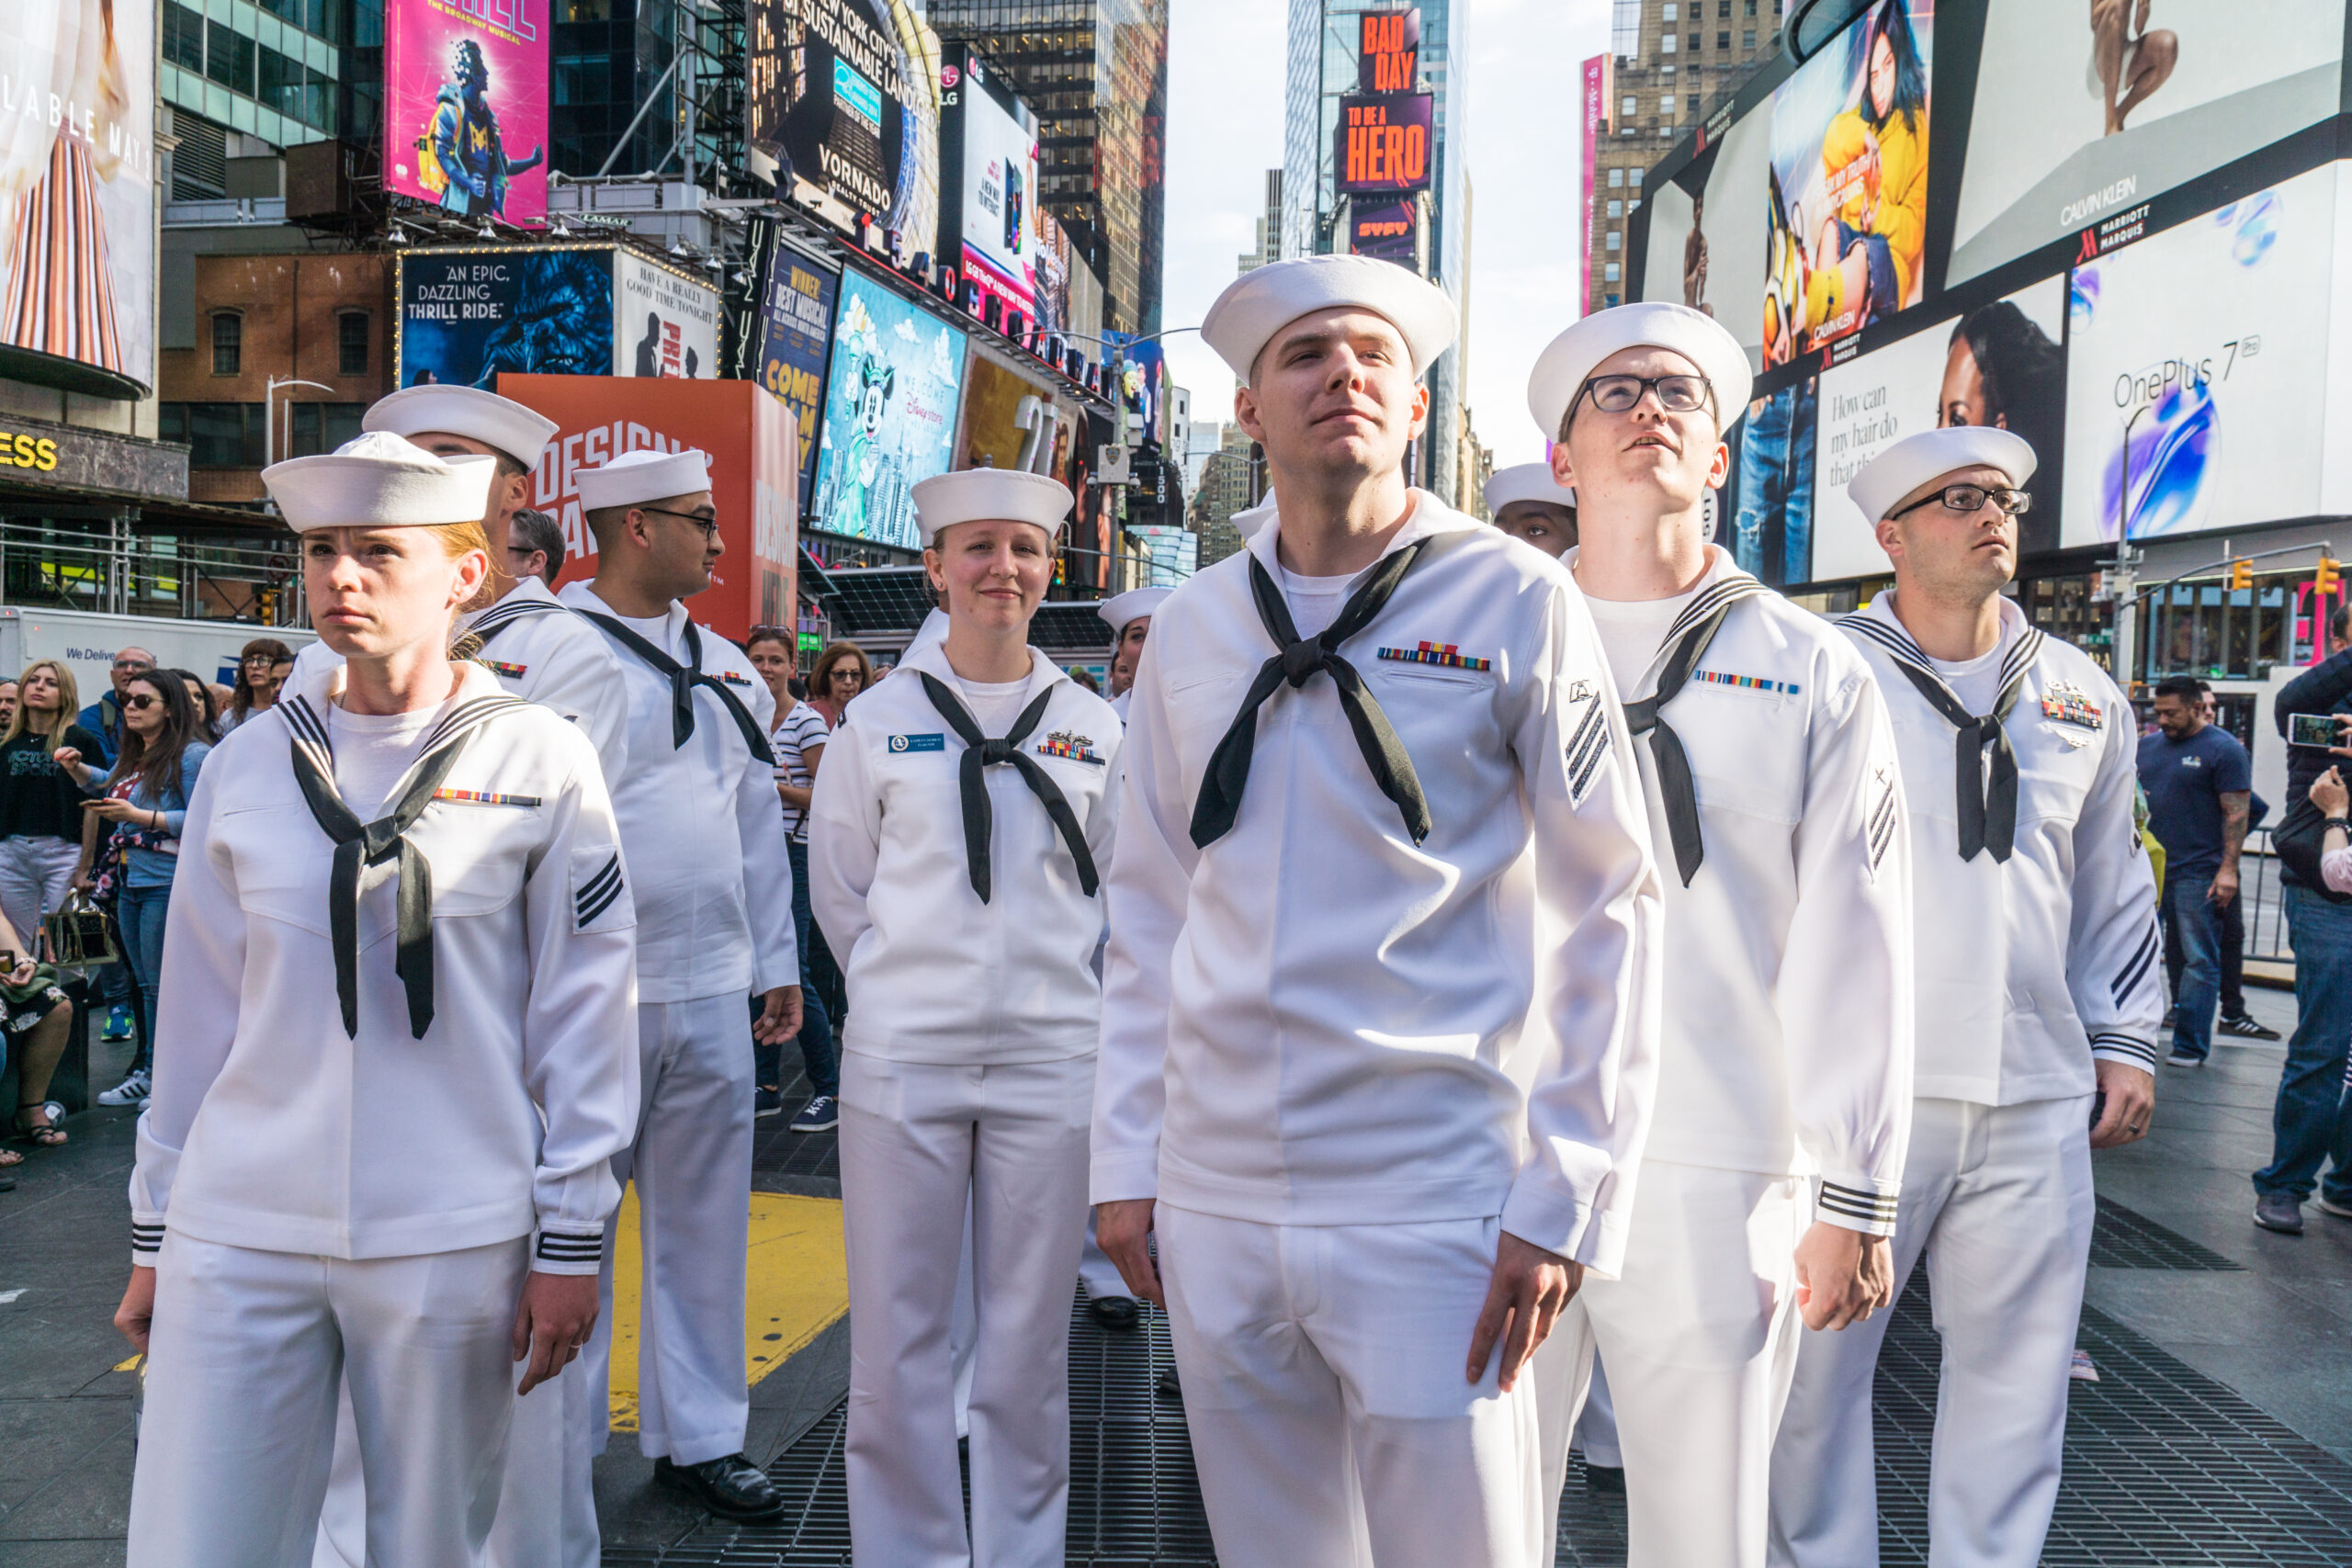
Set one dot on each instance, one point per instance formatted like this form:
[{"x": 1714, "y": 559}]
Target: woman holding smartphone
[{"x": 398, "y": 997}]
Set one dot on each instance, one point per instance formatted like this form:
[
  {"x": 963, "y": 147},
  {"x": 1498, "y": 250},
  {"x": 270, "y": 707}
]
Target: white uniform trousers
[
  {"x": 243, "y": 1363},
  {"x": 916, "y": 1139},
  {"x": 1331, "y": 1424},
  {"x": 1699, "y": 1331},
  {"x": 2000, "y": 1200}
]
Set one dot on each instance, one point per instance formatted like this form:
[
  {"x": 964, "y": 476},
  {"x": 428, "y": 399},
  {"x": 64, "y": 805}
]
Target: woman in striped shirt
[{"x": 798, "y": 741}]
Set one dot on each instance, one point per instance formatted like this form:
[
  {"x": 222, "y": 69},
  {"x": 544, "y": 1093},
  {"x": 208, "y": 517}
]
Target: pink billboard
[
  {"x": 465, "y": 106},
  {"x": 1595, "y": 110}
]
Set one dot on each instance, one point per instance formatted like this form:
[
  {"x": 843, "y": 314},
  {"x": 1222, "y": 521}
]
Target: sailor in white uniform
[
  {"x": 1128, "y": 615},
  {"x": 1775, "y": 1150},
  {"x": 398, "y": 985},
  {"x": 1533, "y": 507},
  {"x": 1380, "y": 1022},
  {"x": 955, "y": 840},
  {"x": 2038, "y": 1001},
  {"x": 544, "y": 653},
  {"x": 714, "y": 902}
]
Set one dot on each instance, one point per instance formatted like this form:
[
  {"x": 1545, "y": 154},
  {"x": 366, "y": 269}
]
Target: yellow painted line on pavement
[{"x": 796, "y": 1284}]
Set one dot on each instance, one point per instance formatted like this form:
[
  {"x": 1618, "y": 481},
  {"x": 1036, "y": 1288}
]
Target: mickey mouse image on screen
[
  {"x": 862, "y": 465},
  {"x": 465, "y": 141}
]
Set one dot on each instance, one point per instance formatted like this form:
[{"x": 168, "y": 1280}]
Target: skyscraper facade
[{"x": 1096, "y": 74}]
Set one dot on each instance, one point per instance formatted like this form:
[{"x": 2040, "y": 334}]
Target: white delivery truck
[{"x": 86, "y": 643}]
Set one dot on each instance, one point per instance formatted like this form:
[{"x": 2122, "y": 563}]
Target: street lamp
[
  {"x": 2123, "y": 594},
  {"x": 269, "y": 417}
]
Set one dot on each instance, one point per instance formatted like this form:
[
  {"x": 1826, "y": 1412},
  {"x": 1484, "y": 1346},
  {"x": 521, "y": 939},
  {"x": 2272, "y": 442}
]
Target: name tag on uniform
[
  {"x": 919, "y": 743},
  {"x": 1747, "y": 682},
  {"x": 1071, "y": 748},
  {"x": 512, "y": 671},
  {"x": 1444, "y": 655},
  {"x": 2069, "y": 704},
  {"x": 484, "y": 797}
]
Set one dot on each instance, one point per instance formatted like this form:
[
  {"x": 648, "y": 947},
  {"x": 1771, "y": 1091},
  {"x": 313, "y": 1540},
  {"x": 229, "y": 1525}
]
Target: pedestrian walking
[{"x": 2199, "y": 785}]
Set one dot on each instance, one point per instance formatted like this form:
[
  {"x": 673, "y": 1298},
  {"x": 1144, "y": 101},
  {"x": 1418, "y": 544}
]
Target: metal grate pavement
[{"x": 2123, "y": 1238}]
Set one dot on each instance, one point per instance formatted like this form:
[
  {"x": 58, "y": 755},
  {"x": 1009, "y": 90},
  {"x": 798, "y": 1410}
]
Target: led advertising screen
[
  {"x": 1846, "y": 223},
  {"x": 465, "y": 106},
  {"x": 891, "y": 403},
  {"x": 1388, "y": 231},
  {"x": 2002, "y": 364},
  {"x": 840, "y": 116},
  {"x": 1388, "y": 50},
  {"x": 465, "y": 315},
  {"x": 988, "y": 149},
  {"x": 2197, "y": 370},
  {"x": 1719, "y": 266},
  {"x": 1010, "y": 422},
  {"x": 2084, "y": 112},
  {"x": 78, "y": 192},
  {"x": 796, "y": 324},
  {"x": 1383, "y": 144},
  {"x": 664, "y": 323},
  {"x": 1771, "y": 494}
]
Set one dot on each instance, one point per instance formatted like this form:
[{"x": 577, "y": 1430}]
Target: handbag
[
  {"x": 77, "y": 934},
  {"x": 2299, "y": 842}
]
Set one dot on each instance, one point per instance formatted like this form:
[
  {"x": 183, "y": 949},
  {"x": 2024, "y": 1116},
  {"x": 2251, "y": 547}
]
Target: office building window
[
  {"x": 1610, "y": 299},
  {"x": 1615, "y": 242},
  {"x": 228, "y": 343},
  {"x": 1670, "y": 12},
  {"x": 1632, "y": 107},
  {"x": 1609, "y": 272},
  {"x": 1634, "y": 178},
  {"x": 1665, "y": 106},
  {"x": 1667, "y": 44},
  {"x": 183, "y": 38},
  {"x": 218, "y": 435},
  {"x": 1616, "y": 179},
  {"x": 313, "y": 428},
  {"x": 1748, "y": 40},
  {"x": 281, "y": 83},
  {"x": 1616, "y": 209},
  {"x": 228, "y": 58},
  {"x": 351, "y": 344},
  {"x": 1723, "y": 39}
]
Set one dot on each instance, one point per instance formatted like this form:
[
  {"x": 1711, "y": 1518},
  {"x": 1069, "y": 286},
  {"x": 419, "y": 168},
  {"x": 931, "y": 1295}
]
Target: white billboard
[{"x": 664, "y": 323}]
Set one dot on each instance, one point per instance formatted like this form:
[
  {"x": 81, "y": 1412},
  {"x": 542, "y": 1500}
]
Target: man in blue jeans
[
  {"x": 2199, "y": 785},
  {"x": 2311, "y": 1124}
]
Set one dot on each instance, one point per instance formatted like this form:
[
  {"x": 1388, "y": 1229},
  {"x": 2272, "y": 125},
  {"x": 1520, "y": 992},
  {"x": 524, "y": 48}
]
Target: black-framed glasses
[
  {"x": 522, "y": 549},
  {"x": 1676, "y": 394},
  {"x": 1968, "y": 500},
  {"x": 134, "y": 664},
  {"x": 710, "y": 525}
]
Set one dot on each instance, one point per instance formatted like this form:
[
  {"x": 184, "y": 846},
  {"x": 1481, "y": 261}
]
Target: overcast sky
[{"x": 1519, "y": 91}]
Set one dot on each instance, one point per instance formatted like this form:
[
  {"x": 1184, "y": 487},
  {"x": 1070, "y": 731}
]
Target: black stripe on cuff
[
  {"x": 555, "y": 1248},
  {"x": 2124, "y": 1045},
  {"x": 146, "y": 1238},
  {"x": 1853, "y": 1203}
]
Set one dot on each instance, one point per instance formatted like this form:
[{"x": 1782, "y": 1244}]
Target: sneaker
[
  {"x": 2279, "y": 1211},
  {"x": 2244, "y": 1027},
  {"x": 131, "y": 1091},
  {"x": 2338, "y": 1207},
  {"x": 2183, "y": 1059},
  {"x": 767, "y": 1102},
  {"x": 821, "y": 1114},
  {"x": 117, "y": 1024},
  {"x": 2082, "y": 1371}
]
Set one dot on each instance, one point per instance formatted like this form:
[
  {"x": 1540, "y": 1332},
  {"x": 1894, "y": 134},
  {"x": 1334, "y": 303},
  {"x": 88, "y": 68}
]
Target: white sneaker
[{"x": 132, "y": 1090}]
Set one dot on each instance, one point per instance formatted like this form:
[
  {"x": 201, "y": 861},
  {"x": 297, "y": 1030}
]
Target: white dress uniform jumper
[
  {"x": 952, "y": 864},
  {"x": 714, "y": 907},
  {"x": 1383, "y": 982},
  {"x": 1784, "y": 1072},
  {"x": 2034, "y": 909},
  {"x": 400, "y": 1067}
]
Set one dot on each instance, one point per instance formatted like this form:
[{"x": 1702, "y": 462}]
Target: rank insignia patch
[
  {"x": 1444, "y": 655},
  {"x": 484, "y": 797},
  {"x": 512, "y": 671},
  {"x": 2069, "y": 704},
  {"x": 1747, "y": 682},
  {"x": 1072, "y": 747},
  {"x": 1883, "y": 815},
  {"x": 934, "y": 742},
  {"x": 1586, "y": 724}
]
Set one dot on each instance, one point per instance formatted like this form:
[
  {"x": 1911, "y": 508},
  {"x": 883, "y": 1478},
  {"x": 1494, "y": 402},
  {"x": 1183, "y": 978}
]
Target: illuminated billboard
[
  {"x": 1387, "y": 231},
  {"x": 2085, "y": 113},
  {"x": 1846, "y": 216},
  {"x": 77, "y": 194},
  {"x": 794, "y": 323},
  {"x": 842, "y": 115},
  {"x": 890, "y": 402},
  {"x": 465, "y": 106},
  {"x": 1382, "y": 143},
  {"x": 466, "y": 315},
  {"x": 1388, "y": 50},
  {"x": 989, "y": 155}
]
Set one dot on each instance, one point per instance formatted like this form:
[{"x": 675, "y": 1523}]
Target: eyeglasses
[
  {"x": 1967, "y": 499},
  {"x": 522, "y": 551},
  {"x": 710, "y": 525},
  {"x": 1676, "y": 394},
  {"x": 134, "y": 664},
  {"x": 251, "y": 658},
  {"x": 140, "y": 702}
]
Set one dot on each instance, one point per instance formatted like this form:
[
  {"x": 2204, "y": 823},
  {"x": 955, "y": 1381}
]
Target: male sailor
[
  {"x": 714, "y": 907},
  {"x": 398, "y": 990},
  {"x": 1378, "y": 1041},
  {"x": 543, "y": 653},
  {"x": 1128, "y": 615},
  {"x": 1533, "y": 507},
  {"x": 1776, "y": 1143},
  {"x": 2039, "y": 999}
]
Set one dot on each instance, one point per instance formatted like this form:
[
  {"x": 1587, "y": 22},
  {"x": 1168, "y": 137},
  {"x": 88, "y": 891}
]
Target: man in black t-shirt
[{"x": 2199, "y": 785}]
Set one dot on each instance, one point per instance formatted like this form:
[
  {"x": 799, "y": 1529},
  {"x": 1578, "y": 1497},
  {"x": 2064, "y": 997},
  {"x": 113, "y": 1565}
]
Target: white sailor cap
[
  {"x": 1004, "y": 495},
  {"x": 1526, "y": 481},
  {"x": 1563, "y": 368},
  {"x": 1134, "y": 605},
  {"x": 521, "y": 433},
  {"x": 380, "y": 481},
  {"x": 1265, "y": 299},
  {"x": 633, "y": 479},
  {"x": 1921, "y": 459}
]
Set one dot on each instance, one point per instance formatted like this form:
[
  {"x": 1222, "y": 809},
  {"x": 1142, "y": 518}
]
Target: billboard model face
[
  {"x": 890, "y": 413},
  {"x": 2084, "y": 112},
  {"x": 2195, "y": 373},
  {"x": 663, "y": 324},
  {"x": 468, "y": 315},
  {"x": 839, "y": 117},
  {"x": 796, "y": 324},
  {"x": 1385, "y": 143},
  {"x": 1845, "y": 229},
  {"x": 1999, "y": 365},
  {"x": 77, "y": 184},
  {"x": 465, "y": 106}
]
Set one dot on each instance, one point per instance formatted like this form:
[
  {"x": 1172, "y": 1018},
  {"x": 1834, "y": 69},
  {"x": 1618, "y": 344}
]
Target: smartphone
[{"x": 2312, "y": 730}]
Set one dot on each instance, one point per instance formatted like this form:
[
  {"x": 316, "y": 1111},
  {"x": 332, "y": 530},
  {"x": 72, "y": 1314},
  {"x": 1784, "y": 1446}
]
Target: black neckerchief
[
  {"x": 981, "y": 753},
  {"x": 683, "y": 678},
  {"x": 1696, "y": 626}
]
